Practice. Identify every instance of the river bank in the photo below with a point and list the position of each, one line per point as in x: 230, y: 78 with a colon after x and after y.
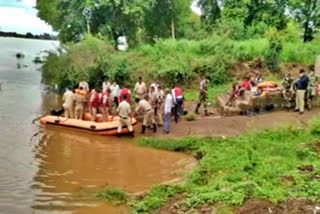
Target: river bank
x: 275, y: 169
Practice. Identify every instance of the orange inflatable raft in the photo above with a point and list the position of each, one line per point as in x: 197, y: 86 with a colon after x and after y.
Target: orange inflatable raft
x: 99, y: 128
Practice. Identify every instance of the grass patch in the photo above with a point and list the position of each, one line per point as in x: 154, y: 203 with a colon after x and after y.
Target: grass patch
x: 155, y: 199
x: 113, y: 195
x: 213, y: 92
x: 263, y: 165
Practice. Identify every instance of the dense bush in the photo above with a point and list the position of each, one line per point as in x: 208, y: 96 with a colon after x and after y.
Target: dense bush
x: 173, y: 61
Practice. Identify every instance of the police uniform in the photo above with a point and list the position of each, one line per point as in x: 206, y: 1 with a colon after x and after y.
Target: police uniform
x: 124, y: 111
x: 146, y: 108
x: 68, y: 99
x: 140, y: 89
x: 203, y: 96
x: 160, y: 106
x: 79, y: 106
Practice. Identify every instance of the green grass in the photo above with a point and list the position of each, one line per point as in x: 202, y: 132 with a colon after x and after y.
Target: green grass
x: 255, y: 165
x: 113, y: 195
x: 193, y: 94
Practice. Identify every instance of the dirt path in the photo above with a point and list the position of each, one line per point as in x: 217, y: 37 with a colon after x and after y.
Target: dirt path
x: 232, y: 126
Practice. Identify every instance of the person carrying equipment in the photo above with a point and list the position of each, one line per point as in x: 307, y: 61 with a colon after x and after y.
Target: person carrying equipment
x: 312, y: 89
x: 148, y: 114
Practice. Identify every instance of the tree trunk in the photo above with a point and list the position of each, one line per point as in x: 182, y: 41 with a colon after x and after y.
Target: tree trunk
x: 173, y: 33
x: 307, y: 37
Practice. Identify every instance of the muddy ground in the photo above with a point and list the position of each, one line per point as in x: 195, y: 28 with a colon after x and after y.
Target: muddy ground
x: 216, y: 125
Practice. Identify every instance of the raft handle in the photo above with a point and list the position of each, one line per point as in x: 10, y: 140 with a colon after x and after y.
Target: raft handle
x: 92, y: 127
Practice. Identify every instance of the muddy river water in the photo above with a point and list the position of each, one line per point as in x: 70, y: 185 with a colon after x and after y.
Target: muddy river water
x: 59, y: 171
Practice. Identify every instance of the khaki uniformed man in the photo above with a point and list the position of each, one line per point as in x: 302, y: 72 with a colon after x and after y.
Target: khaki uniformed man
x: 203, y: 96
x: 79, y: 105
x: 68, y: 101
x: 145, y: 107
x: 124, y: 112
x: 83, y: 84
x: 140, y: 89
x: 302, y: 86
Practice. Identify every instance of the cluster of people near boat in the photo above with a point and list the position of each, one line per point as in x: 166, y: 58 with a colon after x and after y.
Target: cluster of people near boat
x: 156, y: 104
x: 296, y: 93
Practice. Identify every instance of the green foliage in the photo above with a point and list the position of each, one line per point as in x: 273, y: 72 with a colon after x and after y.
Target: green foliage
x: 155, y: 198
x: 190, y: 117
x: 274, y: 52
x: 260, y: 165
x: 307, y: 13
x: 112, y: 195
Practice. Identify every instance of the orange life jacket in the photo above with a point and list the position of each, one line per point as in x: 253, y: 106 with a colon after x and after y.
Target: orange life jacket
x: 81, y: 92
x: 178, y: 92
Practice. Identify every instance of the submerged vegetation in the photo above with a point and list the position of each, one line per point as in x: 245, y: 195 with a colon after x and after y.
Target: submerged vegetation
x: 274, y: 164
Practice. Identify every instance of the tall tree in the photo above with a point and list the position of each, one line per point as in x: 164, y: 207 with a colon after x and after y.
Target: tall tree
x: 211, y: 10
x: 307, y: 12
x: 73, y: 18
x: 165, y: 17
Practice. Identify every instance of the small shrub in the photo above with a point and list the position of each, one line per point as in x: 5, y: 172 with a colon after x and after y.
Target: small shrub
x: 190, y: 117
x: 112, y: 195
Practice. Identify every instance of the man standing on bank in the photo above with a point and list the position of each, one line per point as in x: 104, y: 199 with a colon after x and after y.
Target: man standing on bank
x: 124, y: 112
x: 203, y: 96
x: 167, y: 110
x: 140, y: 89
x: 302, y: 86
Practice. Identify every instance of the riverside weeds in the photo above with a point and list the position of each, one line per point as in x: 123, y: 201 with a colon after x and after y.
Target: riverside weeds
x: 274, y: 164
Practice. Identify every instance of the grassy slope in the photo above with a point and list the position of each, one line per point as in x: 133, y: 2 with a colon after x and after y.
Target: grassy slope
x: 258, y: 165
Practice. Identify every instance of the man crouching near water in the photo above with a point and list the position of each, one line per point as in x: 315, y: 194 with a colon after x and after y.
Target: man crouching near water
x: 124, y: 112
x: 148, y: 114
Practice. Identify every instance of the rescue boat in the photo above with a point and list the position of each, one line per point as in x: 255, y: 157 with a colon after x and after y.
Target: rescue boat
x: 93, y: 127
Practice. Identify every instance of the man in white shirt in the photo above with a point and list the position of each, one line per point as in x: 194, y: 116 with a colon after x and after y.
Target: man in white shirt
x: 68, y: 101
x: 105, y: 85
x: 115, y: 92
x: 140, y: 89
x: 124, y: 112
x: 167, y: 110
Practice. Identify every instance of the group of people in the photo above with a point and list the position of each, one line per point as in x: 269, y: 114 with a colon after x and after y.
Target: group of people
x: 296, y: 93
x: 300, y: 92
x: 152, y: 103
